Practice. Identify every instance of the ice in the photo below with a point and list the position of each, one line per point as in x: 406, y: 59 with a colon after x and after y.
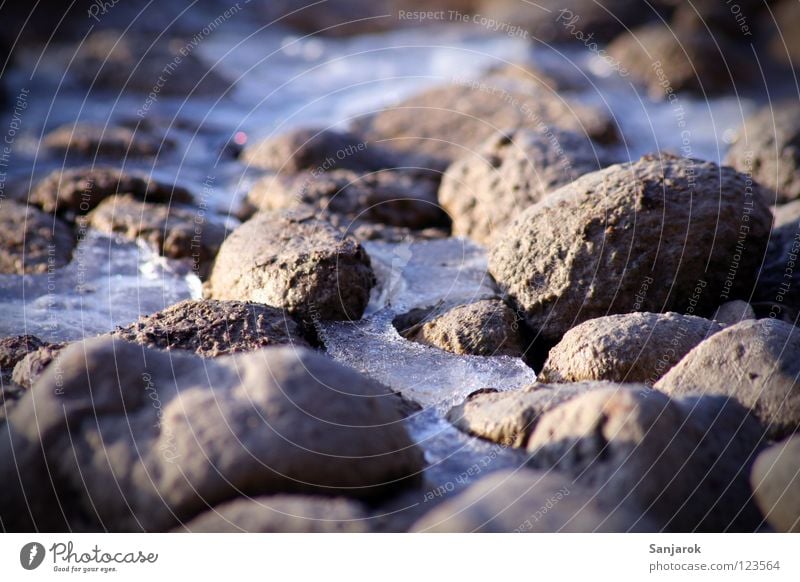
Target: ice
x: 109, y: 282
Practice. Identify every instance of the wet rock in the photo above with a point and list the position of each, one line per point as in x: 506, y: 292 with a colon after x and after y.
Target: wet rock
x: 541, y: 75
x: 776, y: 485
x: 524, y: 500
x: 294, y: 261
x: 317, y: 150
x: 508, y: 418
x: 140, y: 439
x: 768, y: 147
x: 403, y: 198
x: 371, y: 231
x: 175, y: 231
x: 754, y: 362
x: 282, y: 514
x: 13, y: 349
x: 667, y: 59
x: 483, y: 328
x: 633, y: 347
x: 214, y: 328
x: 484, y: 191
x: 79, y: 190
x: 732, y: 312
x: 93, y: 141
x: 33, y: 365
x: 32, y: 241
x: 614, y: 241
x: 146, y: 63
x: 684, y: 463
x: 446, y: 122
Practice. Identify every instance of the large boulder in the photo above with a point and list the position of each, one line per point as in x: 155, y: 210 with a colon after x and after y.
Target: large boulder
x: 768, y: 148
x: 755, y: 362
x: 776, y: 484
x: 122, y: 437
x: 484, y: 191
x: 683, y: 463
x: 660, y: 234
x: 213, y: 328
x: 527, y: 501
x: 631, y: 347
x: 294, y: 261
x: 32, y: 241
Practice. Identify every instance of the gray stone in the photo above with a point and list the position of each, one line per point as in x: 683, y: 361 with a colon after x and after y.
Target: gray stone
x: 632, y: 347
x: 755, y: 362
x: 732, y: 312
x: 776, y: 484
x: 294, y: 261
x: 618, y: 240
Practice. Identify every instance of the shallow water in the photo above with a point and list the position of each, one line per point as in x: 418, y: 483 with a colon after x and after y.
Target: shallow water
x: 284, y: 81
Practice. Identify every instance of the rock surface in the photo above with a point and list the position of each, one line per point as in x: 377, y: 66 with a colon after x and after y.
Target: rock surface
x: 768, y: 147
x: 294, y: 261
x: 776, y: 484
x: 524, y: 500
x: 33, y: 365
x: 617, y: 240
x: 447, y: 122
x: 483, y: 328
x: 32, y: 241
x: 213, y: 328
x: 732, y: 312
x: 683, y: 463
x: 632, y: 347
x: 90, y: 141
x: 484, y: 191
x: 508, y: 418
x: 754, y: 362
x: 156, y: 441
x: 282, y: 514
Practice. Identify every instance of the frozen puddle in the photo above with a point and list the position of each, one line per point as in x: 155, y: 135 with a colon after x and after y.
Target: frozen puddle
x: 423, y: 274
x: 110, y: 282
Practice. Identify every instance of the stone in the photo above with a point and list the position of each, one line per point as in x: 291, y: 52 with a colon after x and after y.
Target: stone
x: 777, y: 291
x: 317, y: 150
x: 527, y: 501
x: 617, y: 240
x: 784, y: 46
x: 484, y: 191
x: 732, y: 312
x: 547, y: 75
x: 776, y: 484
x: 683, y: 464
x: 174, y: 231
x: 79, y: 190
x: 631, y: 347
x: 294, y: 261
x: 487, y: 327
x: 32, y: 241
x: 33, y: 365
x: 213, y: 328
x: 282, y: 514
x: 768, y: 148
x: 508, y: 418
x: 446, y: 122
x: 754, y: 362
x: 135, y: 439
x: 13, y: 349
x: 95, y: 141
x: 402, y: 198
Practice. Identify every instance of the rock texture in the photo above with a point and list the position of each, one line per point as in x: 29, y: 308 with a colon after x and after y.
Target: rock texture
x: 152, y: 443
x: 297, y: 262
x: 447, y: 122
x: 682, y: 463
x: 483, y: 328
x: 91, y: 141
x: 754, y: 362
x: 732, y: 312
x: 768, y: 147
x: 213, y: 328
x: 508, y: 418
x: 776, y: 485
x: 79, y: 190
x: 523, y: 501
x: 484, y: 191
x: 33, y: 365
x: 32, y: 241
x: 633, y: 347
x: 618, y: 240
x: 282, y: 514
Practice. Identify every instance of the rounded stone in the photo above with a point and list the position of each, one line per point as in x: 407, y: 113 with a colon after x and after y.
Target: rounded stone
x: 776, y: 484
x: 92, y: 141
x: 32, y: 241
